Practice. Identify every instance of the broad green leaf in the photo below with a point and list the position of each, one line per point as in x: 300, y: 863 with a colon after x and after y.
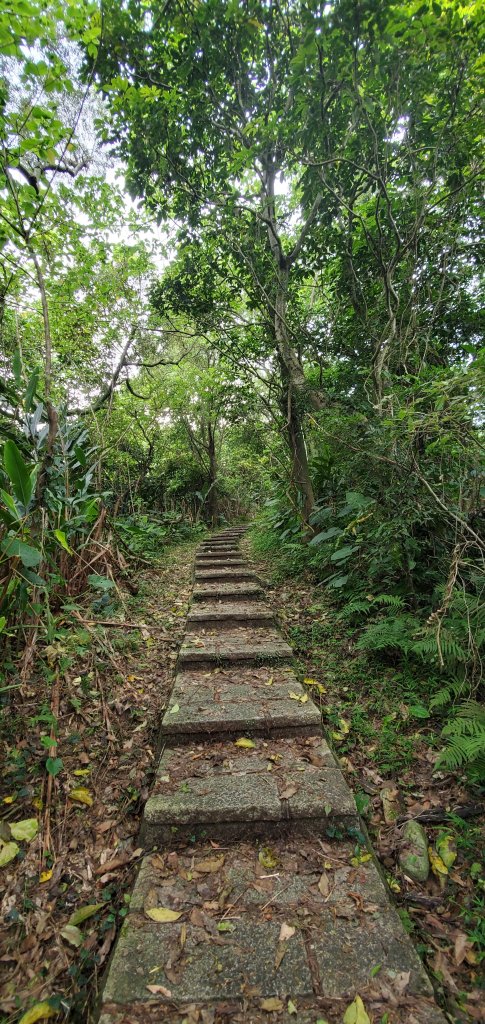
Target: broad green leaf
x: 15, y: 548
x: 54, y: 765
x: 8, y: 852
x: 83, y: 913
x: 18, y: 472
x: 62, y: 539
x: 26, y: 830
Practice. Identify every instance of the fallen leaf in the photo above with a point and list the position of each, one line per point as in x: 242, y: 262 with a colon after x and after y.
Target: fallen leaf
x: 163, y: 914
x: 244, y: 742
x: 288, y: 792
x: 437, y: 866
x: 226, y: 926
x: 8, y: 852
x: 324, y: 884
x: 267, y: 858
x: 82, y: 795
x: 72, y: 934
x: 445, y: 847
x: 210, y: 864
x: 8, y: 799
x: 286, y: 932
x: 269, y: 682
x: 356, y: 1013
x: 26, y: 829
x: 390, y: 805
x: 45, y: 875
x: 361, y: 858
x: 280, y: 953
x: 173, y: 710
x: 462, y: 942
x: 81, y: 771
x: 271, y: 1004
x: 160, y: 990
x: 82, y: 913
x: 291, y: 1007
x: 302, y: 698
x: 41, y: 1011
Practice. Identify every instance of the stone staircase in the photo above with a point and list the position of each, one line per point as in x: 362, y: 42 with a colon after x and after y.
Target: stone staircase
x: 257, y: 899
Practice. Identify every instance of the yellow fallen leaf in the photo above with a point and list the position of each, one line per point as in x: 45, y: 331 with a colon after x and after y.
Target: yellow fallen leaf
x: 291, y: 1007
x: 82, y: 795
x: 302, y: 698
x: 267, y: 858
x: 362, y: 858
x: 26, y: 829
x: 8, y: 799
x: 438, y: 866
x: 41, y: 1011
x: 269, y: 682
x: 37, y: 803
x: 81, y: 771
x: 271, y: 1004
x: 45, y: 875
x: 356, y: 1013
x: 445, y: 847
x: 245, y: 742
x: 163, y: 914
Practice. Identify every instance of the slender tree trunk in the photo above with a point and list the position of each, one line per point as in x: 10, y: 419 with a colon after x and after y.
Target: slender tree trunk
x: 212, y: 496
x: 300, y: 470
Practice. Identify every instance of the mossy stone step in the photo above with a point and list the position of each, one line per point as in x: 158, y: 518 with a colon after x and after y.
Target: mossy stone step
x: 228, y: 787
x: 221, y: 573
x: 227, y: 948
x: 224, y: 611
x: 230, y: 591
x: 257, y: 701
x: 243, y: 643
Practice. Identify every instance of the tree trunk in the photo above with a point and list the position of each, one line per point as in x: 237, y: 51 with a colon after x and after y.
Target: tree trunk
x: 212, y: 495
x: 300, y: 470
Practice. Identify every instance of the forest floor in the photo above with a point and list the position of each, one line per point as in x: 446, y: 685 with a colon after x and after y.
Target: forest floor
x: 387, y: 743
x: 63, y: 899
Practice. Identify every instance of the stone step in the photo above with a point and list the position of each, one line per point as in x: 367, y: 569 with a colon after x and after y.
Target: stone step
x: 215, y: 591
x: 294, y: 920
x: 234, y: 789
x: 230, y: 574
x: 250, y: 612
x: 220, y: 562
x: 254, y: 700
x: 237, y: 644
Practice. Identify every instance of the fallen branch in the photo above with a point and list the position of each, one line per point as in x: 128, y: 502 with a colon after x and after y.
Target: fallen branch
x: 441, y: 814
x: 123, y: 625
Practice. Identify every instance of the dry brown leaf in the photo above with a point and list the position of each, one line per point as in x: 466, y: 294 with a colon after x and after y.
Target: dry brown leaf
x: 324, y: 884
x: 210, y: 864
x: 286, y: 932
x: 270, y: 1005
x: 288, y: 792
x: 160, y: 990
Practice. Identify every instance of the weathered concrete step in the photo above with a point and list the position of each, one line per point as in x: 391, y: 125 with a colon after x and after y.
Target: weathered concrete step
x: 224, y: 611
x: 232, y: 788
x: 220, y: 562
x: 226, y: 591
x: 294, y: 920
x: 253, y: 700
x: 243, y: 643
x: 230, y: 574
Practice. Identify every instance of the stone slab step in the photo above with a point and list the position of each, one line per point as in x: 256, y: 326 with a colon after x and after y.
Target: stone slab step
x: 229, y: 574
x: 251, y: 700
x: 220, y: 562
x: 228, y: 788
x: 224, y: 611
x: 225, y: 949
x: 227, y: 591
x: 243, y: 643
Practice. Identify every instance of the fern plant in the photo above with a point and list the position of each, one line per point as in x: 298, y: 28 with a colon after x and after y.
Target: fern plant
x: 465, y: 741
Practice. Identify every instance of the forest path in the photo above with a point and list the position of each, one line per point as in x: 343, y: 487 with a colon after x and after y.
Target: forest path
x: 259, y: 900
